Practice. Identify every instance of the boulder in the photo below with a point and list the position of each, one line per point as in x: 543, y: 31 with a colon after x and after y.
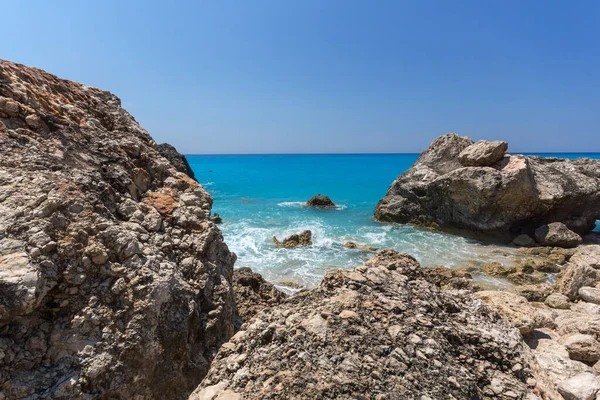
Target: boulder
x: 113, y: 283
x: 514, y: 196
x: 483, y: 153
x: 176, y: 159
x: 377, y: 331
x: 362, y: 247
x: 513, y: 307
x: 583, y: 270
x: 557, y: 234
x: 584, y: 386
x: 523, y: 240
x: 582, y: 348
x: 589, y: 294
x: 558, y: 300
x: 296, y: 240
x: 253, y: 293
x: 320, y: 201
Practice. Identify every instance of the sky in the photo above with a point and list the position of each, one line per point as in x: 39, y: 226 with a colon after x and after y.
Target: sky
x: 328, y: 76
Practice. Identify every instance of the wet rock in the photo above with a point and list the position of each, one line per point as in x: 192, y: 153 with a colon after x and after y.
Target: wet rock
x: 216, y: 218
x: 362, y: 247
x: 536, y: 292
x: 513, y: 196
x: 296, y: 240
x: 113, y: 283
x: 379, y: 331
x: 558, y: 300
x: 584, y: 386
x: 176, y: 159
x: 483, y: 153
x: 582, y: 348
x: 497, y: 269
x: 253, y: 293
x: 557, y: 234
x: 589, y: 294
x: 524, y: 240
x: 320, y: 201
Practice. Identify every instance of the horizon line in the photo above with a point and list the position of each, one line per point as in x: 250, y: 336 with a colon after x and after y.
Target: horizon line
x: 358, y: 154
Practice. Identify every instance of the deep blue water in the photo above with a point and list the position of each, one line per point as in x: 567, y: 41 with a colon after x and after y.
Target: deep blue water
x: 260, y: 196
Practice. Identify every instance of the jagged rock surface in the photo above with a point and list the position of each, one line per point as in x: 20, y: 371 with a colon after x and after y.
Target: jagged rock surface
x: 516, y: 195
x: 113, y: 283
x: 177, y: 159
x: 301, y: 239
x: 379, y: 331
x: 253, y: 293
x: 320, y: 201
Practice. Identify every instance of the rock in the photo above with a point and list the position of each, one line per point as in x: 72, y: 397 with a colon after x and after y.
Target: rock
x: 536, y: 292
x: 497, y: 269
x: 590, y: 294
x: 483, y: 153
x: 353, y: 245
x: 513, y: 307
x: 175, y: 158
x: 557, y: 234
x: 524, y: 240
x: 113, y: 283
x: 558, y: 300
x: 295, y: 240
x: 514, y: 196
x: 583, y: 270
x: 379, y: 331
x: 320, y: 201
x: 216, y: 218
x: 583, y: 348
x: 253, y: 293
x: 580, y: 387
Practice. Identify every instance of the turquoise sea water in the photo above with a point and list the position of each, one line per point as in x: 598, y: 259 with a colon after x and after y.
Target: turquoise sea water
x: 261, y: 196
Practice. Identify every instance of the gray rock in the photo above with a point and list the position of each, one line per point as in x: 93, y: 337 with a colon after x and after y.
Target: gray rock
x: 558, y: 300
x: 557, y: 234
x: 514, y: 196
x: 583, y: 270
x: 176, y: 159
x: 296, y: 240
x: 253, y: 293
x: 590, y: 294
x: 483, y: 153
x: 524, y: 241
x: 96, y: 300
x: 580, y: 387
x: 582, y: 348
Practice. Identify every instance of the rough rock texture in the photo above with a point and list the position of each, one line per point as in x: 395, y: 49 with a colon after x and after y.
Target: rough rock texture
x: 514, y: 196
x: 177, y: 159
x: 320, y: 201
x: 557, y: 234
x: 583, y: 270
x: 379, y: 331
x: 296, y: 240
x: 361, y: 247
x: 584, y: 386
x: 482, y: 153
x: 589, y: 294
x: 524, y: 240
x: 113, y: 283
x: 253, y: 293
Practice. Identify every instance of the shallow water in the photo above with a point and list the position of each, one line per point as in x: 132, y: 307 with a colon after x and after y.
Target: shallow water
x: 261, y: 196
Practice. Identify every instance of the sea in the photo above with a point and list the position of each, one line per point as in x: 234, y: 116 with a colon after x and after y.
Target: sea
x: 262, y: 196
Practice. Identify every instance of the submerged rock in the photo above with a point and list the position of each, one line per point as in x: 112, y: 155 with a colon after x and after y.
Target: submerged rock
x: 379, y: 331
x: 177, y: 159
x: 253, y: 293
x: 483, y: 153
x: 320, y: 201
x: 557, y: 234
x: 113, y: 284
x: 513, y: 196
x: 296, y: 240
x: 362, y: 247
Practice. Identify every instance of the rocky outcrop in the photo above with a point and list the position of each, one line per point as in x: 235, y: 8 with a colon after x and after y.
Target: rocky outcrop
x: 320, y: 201
x: 176, y: 159
x: 379, y: 331
x: 514, y: 196
x: 113, y: 283
x: 483, y: 153
x: 296, y: 240
x: 253, y: 293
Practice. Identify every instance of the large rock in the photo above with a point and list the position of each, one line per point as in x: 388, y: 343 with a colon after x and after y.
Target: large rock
x: 379, y: 331
x: 253, y: 293
x: 514, y: 308
x: 483, y: 153
x: 320, y: 201
x: 584, y: 386
x: 514, y: 196
x: 557, y: 234
x: 113, y: 283
x: 177, y: 159
x: 582, y: 347
x: 589, y: 294
x: 583, y: 270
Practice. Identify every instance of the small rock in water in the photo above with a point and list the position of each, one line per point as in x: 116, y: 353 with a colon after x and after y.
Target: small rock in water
x: 583, y: 386
x: 590, y: 294
x: 295, y: 240
x: 320, y: 201
x: 216, y: 218
x: 353, y: 245
x: 557, y: 234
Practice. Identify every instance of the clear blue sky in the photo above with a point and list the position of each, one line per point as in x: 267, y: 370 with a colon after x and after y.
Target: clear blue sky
x: 328, y: 76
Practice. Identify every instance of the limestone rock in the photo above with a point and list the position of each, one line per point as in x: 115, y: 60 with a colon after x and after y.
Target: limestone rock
x: 582, y: 347
x: 175, y: 158
x: 296, y: 240
x: 535, y: 292
x: 583, y: 270
x: 524, y: 240
x: 113, y: 283
x: 557, y: 234
x: 483, y: 153
x: 512, y: 197
x: 513, y: 307
x: 253, y: 293
x: 362, y: 247
x: 584, y: 386
x: 589, y: 294
x: 216, y: 218
x: 558, y: 300
x: 378, y: 331
x: 320, y: 201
